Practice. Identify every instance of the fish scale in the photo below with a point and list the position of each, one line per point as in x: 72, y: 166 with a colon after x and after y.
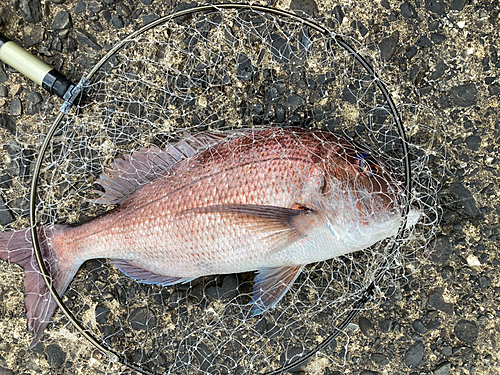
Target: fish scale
x: 265, y: 200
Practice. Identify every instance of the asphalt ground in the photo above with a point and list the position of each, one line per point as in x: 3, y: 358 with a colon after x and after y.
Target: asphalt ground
x: 447, y: 319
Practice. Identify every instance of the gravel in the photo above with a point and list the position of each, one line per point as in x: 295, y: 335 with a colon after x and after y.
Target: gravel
x: 366, y: 327
x: 414, y: 355
x: 31, y: 10
x: 62, y: 21
x: 466, y: 331
x: 388, y: 45
x: 55, y: 356
x: 407, y: 10
x: 464, y: 95
x: 438, y: 49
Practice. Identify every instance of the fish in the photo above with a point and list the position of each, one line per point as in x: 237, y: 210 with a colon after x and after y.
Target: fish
x: 265, y: 200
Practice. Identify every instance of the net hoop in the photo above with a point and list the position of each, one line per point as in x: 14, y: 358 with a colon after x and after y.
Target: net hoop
x: 116, y: 358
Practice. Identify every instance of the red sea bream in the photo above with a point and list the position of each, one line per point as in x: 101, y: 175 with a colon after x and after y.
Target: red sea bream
x: 269, y: 200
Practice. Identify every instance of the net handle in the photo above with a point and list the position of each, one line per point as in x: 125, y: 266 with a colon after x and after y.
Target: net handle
x: 33, y: 68
x: 112, y: 356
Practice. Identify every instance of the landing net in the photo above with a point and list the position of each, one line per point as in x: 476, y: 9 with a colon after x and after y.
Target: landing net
x: 216, y: 71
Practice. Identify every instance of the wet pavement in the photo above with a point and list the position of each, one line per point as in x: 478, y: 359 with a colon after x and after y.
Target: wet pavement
x: 446, y: 318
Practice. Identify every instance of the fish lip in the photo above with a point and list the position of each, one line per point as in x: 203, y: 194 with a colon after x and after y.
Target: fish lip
x: 413, y: 214
x: 398, y: 205
x: 401, y: 200
x: 413, y: 217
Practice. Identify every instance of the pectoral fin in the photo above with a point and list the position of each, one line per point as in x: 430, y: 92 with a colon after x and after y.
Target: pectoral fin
x: 281, y: 226
x: 271, y: 284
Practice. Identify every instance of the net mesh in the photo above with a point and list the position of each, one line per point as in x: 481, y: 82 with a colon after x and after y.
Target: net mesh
x: 220, y: 71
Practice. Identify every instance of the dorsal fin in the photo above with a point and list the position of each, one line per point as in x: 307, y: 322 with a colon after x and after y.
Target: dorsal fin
x: 127, y: 174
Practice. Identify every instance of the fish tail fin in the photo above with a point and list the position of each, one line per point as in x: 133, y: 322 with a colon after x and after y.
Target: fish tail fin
x: 16, y: 247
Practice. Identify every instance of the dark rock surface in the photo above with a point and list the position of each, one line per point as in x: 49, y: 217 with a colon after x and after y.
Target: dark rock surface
x: 33, y: 35
x: 388, y: 45
x: 466, y: 331
x: 142, y: 319
x: 366, y: 327
x: 464, y: 95
x: 307, y: 6
x: 62, y: 20
x: 6, y: 371
x: 435, y: 6
x: 473, y: 142
x: 437, y: 301
x: 8, y: 123
x: 414, y: 355
x: 380, y: 359
x: 31, y: 10
x: 295, y: 102
x: 55, y: 356
x: 88, y: 39
x: 443, y: 368
x: 419, y: 327
x: 6, y: 216
x: 442, y: 250
x: 15, y: 107
x: 386, y: 325
x: 407, y: 10
x: 465, y: 197
x: 34, y: 102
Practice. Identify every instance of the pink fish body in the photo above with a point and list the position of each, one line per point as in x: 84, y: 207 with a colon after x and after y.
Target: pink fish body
x: 270, y: 200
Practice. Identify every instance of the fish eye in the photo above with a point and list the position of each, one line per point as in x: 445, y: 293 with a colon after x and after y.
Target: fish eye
x: 368, y: 165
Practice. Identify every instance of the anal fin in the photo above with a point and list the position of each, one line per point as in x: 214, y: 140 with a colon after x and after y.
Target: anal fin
x: 271, y: 284
x: 147, y: 277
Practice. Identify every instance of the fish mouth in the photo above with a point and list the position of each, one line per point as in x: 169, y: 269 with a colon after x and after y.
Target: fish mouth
x: 413, y: 217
